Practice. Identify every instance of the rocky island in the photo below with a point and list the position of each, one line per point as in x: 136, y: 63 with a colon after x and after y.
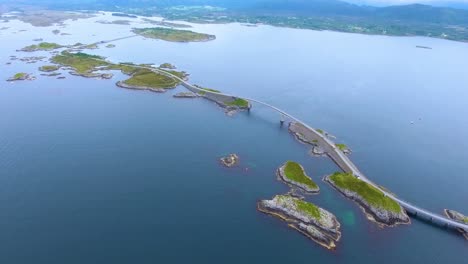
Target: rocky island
x: 141, y: 77
x: 44, y: 46
x: 376, y: 205
x: 230, y: 160
x: 293, y: 174
x: 312, y: 221
x: 49, y: 68
x: 173, y: 35
x: 21, y: 76
x: 454, y: 215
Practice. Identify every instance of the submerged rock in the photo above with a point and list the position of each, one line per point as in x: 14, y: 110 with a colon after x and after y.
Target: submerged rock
x: 312, y: 221
x: 230, y: 161
x: 454, y: 215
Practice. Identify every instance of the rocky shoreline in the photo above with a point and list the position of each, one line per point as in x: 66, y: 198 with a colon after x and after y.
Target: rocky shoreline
x: 323, y: 228
x: 121, y: 84
x: 185, y: 95
x: 380, y: 216
x: 454, y: 215
x: 317, y: 150
x: 280, y: 173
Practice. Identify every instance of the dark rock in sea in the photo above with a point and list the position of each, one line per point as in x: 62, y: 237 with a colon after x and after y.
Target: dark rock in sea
x: 230, y: 161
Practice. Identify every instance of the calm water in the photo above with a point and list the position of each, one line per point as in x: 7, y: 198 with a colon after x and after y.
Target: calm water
x: 91, y: 173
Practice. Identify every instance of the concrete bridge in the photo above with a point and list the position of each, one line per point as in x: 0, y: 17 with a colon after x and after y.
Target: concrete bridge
x: 329, y: 147
x: 335, y: 154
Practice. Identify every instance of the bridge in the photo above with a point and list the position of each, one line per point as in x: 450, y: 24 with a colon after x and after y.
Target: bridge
x: 336, y: 155
x: 330, y: 148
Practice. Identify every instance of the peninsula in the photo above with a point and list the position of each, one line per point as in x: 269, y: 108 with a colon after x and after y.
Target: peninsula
x: 312, y: 221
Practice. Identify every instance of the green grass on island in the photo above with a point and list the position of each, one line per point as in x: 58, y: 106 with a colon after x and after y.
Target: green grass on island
x: 19, y: 76
x: 173, y: 35
x: 81, y: 62
x: 86, y: 64
x: 319, y: 130
x: 294, y: 172
x: 341, y: 146
x: 42, y: 46
x: 48, y: 68
x: 239, y: 103
x: 301, y: 206
x: 308, y: 208
x: 148, y: 78
x: 370, y: 194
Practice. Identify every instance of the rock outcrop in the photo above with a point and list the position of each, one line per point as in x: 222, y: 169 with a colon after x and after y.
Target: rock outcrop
x: 314, y: 222
x: 454, y: 215
x: 230, y: 161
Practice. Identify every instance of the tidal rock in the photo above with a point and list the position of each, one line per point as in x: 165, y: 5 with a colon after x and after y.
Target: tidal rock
x: 230, y: 161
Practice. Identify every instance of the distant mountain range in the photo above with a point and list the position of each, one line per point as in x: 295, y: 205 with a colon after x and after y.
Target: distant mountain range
x: 413, y: 19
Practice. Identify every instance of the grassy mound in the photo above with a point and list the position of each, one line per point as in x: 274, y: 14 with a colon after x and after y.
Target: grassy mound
x: 294, y: 172
x: 370, y: 194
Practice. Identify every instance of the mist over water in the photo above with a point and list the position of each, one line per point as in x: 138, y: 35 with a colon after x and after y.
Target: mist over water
x: 92, y: 173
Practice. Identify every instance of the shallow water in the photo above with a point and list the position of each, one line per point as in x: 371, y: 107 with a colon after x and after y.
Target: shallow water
x: 91, y: 173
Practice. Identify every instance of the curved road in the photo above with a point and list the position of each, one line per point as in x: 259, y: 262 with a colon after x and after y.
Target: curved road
x: 333, y: 152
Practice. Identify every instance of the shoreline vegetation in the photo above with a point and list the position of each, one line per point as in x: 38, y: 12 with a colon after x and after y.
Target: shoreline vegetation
x: 377, y: 207
x: 173, y: 35
x: 310, y: 220
x: 91, y: 66
x: 293, y: 174
x: 457, y: 216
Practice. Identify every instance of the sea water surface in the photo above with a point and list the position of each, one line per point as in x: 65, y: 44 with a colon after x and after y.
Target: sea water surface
x: 92, y: 173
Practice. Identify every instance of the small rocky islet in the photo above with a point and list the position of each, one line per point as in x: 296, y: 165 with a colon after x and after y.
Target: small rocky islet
x: 457, y: 216
x: 21, y: 76
x: 293, y: 174
x: 312, y: 221
x: 230, y: 160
